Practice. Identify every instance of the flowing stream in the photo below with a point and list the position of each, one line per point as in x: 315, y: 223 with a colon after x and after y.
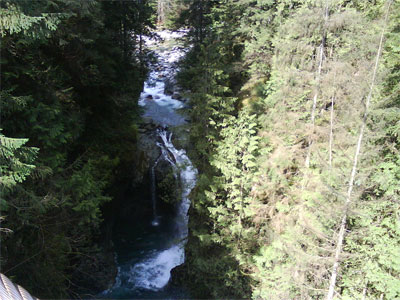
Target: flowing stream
x: 157, y: 246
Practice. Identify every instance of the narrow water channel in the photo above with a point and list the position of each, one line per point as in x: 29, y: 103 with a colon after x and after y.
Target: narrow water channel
x: 154, y: 245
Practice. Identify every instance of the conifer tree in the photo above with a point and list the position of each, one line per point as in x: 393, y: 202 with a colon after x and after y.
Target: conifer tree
x: 349, y: 195
x: 16, y: 163
x: 306, y: 65
x: 65, y: 72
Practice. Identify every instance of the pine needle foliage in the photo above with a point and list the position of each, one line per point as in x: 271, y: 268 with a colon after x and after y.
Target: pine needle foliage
x: 71, y: 74
x: 306, y: 69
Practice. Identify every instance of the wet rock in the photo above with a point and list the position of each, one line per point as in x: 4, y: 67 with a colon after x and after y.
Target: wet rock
x: 178, y: 89
x: 148, y: 152
x: 149, y: 97
x: 163, y: 168
x: 95, y: 273
x: 150, y: 126
x: 179, y: 276
x: 176, y: 96
x: 169, y: 86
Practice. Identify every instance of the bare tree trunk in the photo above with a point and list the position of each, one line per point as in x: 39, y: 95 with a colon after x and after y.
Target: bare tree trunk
x: 331, y: 125
x: 342, y: 230
x: 331, y: 132
x: 201, y: 21
x: 160, y: 12
x: 318, y: 77
x: 125, y: 39
x: 364, y: 295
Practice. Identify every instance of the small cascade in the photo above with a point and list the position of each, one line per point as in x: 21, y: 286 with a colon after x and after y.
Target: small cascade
x: 165, y: 153
x: 154, y: 271
x: 145, y: 262
x: 187, y: 174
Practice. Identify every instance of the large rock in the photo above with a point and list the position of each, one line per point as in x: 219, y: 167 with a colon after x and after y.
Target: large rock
x: 96, y: 273
x: 176, y: 96
x: 169, y: 86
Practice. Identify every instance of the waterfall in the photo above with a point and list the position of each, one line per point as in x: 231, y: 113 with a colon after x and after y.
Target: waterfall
x: 154, y: 272
x: 188, y: 175
x: 144, y: 267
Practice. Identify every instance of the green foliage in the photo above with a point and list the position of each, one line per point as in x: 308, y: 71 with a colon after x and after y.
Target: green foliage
x: 71, y: 71
x: 374, y: 243
x: 170, y: 13
x: 14, y: 21
x: 168, y: 188
x: 304, y: 69
x: 271, y: 84
x: 375, y: 238
x: 224, y: 149
x: 16, y: 163
x: 229, y: 199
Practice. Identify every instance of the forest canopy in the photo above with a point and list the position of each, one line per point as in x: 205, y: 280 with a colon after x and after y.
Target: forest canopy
x: 71, y: 74
x: 294, y: 109
x: 295, y: 118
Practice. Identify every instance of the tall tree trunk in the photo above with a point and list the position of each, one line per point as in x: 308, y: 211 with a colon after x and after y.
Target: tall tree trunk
x: 331, y: 131
x: 201, y: 21
x: 339, y: 244
x: 318, y: 78
x: 160, y: 12
x: 333, y: 99
x: 125, y: 37
x: 364, y: 294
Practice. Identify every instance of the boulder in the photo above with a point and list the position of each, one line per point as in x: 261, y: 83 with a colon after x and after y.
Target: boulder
x: 176, y: 96
x: 169, y: 86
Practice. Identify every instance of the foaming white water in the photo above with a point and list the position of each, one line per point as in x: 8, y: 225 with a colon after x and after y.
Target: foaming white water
x: 153, y: 271
x: 188, y: 176
x: 161, y: 108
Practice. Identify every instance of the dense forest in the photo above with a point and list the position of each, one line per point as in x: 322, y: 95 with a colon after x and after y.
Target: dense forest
x: 71, y: 73
x: 295, y: 121
x: 294, y: 109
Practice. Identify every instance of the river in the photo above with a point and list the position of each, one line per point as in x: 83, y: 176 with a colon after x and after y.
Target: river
x: 154, y: 244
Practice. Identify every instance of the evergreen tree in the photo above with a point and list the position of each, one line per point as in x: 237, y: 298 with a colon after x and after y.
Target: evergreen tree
x: 306, y: 72
x: 65, y: 72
